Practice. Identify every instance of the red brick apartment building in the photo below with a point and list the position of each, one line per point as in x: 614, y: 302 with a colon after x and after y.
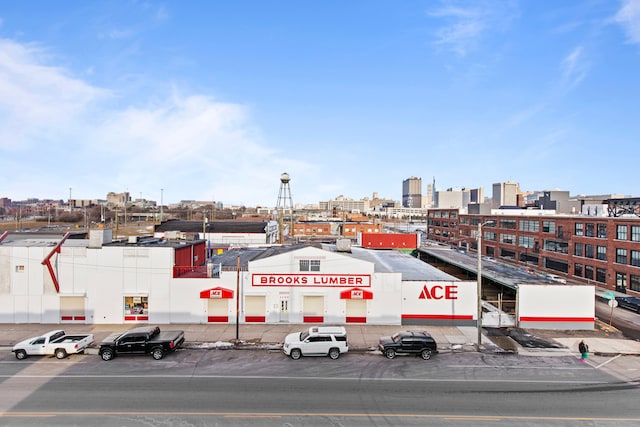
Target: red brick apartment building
x: 604, y: 251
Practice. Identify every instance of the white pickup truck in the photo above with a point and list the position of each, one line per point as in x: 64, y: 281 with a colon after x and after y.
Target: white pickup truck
x: 56, y: 343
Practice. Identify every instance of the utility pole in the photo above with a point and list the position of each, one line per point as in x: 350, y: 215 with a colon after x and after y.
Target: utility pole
x: 238, y: 300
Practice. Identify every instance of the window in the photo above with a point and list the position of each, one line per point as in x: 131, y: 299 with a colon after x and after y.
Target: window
x: 635, y: 258
x: 509, y: 224
x: 588, y: 251
x: 621, y: 232
x: 548, y: 226
x: 136, y: 305
x: 634, y: 283
x: 577, y: 270
x: 554, y: 246
x: 506, y: 253
x: 529, y: 225
x: 621, y: 281
x: 602, y: 253
x: 621, y: 256
x: 578, y: 249
x: 579, y: 229
x: 490, y: 235
x: 509, y: 239
x: 525, y: 241
x: 588, y: 272
x: 602, y: 231
x: 601, y: 275
x: 590, y: 230
x: 19, y: 268
x: 635, y: 233
x: 309, y: 265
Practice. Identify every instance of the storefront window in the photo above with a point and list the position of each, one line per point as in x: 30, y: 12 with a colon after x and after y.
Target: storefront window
x: 136, y: 306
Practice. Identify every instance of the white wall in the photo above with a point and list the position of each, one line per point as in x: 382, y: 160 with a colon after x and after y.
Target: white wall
x: 556, y: 307
x: 444, y: 302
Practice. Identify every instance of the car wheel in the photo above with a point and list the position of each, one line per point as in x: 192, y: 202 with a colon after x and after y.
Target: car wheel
x: 21, y: 354
x: 107, y: 354
x: 295, y: 354
x: 61, y: 353
x: 426, y: 354
x: 334, y: 353
x: 390, y: 353
x: 157, y: 353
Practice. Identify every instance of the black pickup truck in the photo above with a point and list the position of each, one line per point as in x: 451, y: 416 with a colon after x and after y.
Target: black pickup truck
x: 141, y: 340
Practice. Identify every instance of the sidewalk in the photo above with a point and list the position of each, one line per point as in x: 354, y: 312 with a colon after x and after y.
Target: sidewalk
x: 361, y: 337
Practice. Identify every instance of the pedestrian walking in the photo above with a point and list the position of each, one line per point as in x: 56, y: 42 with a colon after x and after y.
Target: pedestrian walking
x: 583, y: 348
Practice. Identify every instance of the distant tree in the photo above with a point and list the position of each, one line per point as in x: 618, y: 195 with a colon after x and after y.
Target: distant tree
x: 71, y: 216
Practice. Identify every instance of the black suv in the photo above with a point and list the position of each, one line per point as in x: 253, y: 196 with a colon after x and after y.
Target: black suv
x: 413, y: 342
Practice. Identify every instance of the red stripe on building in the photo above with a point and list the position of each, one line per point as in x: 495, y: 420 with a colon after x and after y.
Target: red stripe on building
x: 356, y: 319
x: 66, y: 318
x: 439, y: 316
x: 556, y: 319
x: 255, y: 319
x: 218, y: 319
x: 313, y: 319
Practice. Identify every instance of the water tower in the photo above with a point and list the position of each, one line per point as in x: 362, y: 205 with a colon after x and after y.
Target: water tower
x: 284, y: 203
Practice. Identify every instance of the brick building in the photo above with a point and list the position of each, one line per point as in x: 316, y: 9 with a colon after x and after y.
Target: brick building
x: 599, y: 250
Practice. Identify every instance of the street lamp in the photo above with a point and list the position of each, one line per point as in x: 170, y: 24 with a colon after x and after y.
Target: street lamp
x: 479, y: 322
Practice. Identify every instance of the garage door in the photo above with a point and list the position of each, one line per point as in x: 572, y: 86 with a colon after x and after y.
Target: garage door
x: 254, y: 309
x: 356, y: 311
x: 72, y: 309
x: 217, y: 310
x: 313, y: 309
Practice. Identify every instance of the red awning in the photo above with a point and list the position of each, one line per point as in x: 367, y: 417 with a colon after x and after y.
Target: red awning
x: 356, y: 293
x: 216, y: 293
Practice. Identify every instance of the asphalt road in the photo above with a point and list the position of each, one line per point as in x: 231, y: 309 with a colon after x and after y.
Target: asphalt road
x: 263, y: 388
x: 626, y: 321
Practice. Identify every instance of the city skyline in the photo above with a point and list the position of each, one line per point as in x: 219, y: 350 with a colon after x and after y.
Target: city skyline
x: 215, y: 100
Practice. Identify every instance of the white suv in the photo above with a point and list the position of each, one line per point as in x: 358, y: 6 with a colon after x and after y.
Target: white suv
x: 317, y: 341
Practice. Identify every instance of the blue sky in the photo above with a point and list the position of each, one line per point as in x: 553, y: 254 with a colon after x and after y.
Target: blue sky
x: 213, y: 100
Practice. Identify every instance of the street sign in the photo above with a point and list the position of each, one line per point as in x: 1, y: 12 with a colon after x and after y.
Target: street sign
x: 612, y: 303
x: 609, y: 296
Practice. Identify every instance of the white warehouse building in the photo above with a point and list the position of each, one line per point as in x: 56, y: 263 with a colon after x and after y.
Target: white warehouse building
x: 55, y: 278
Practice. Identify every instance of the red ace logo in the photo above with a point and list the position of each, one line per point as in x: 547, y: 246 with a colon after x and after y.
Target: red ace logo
x: 439, y: 292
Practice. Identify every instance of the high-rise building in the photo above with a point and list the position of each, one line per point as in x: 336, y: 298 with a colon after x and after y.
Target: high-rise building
x: 476, y: 195
x: 505, y: 194
x: 412, y: 192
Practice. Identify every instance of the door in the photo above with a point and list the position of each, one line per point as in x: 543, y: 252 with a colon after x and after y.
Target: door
x: 284, y: 307
x: 217, y: 310
x: 72, y: 309
x: 132, y: 344
x: 254, y: 309
x: 36, y: 347
x: 313, y: 309
x: 316, y: 345
x: 356, y: 311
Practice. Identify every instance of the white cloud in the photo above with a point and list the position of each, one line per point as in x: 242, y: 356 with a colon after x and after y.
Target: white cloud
x: 629, y: 18
x: 36, y: 99
x: 58, y: 131
x: 574, y: 67
x: 466, y: 24
x: 116, y: 34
